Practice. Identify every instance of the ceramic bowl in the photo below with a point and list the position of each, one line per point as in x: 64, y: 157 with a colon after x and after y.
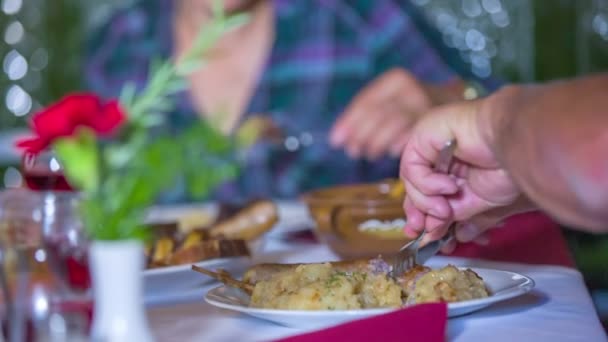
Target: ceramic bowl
x: 361, y: 220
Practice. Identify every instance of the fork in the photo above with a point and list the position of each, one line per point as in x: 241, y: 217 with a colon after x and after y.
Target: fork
x: 407, y: 255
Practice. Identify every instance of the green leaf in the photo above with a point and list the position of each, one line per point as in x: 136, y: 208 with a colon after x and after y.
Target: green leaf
x: 152, y: 120
x: 176, y: 86
x: 127, y: 94
x: 155, y: 64
x: 117, y: 155
x: 80, y: 159
x: 236, y: 21
x: 189, y: 67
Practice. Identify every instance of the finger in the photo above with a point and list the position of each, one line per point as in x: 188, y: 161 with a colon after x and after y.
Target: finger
x: 429, y: 237
x: 343, y: 126
x: 361, y: 133
x: 357, y: 112
x: 393, y: 82
x: 449, y: 247
x: 431, y: 183
x: 459, y: 169
x: 483, y: 239
x: 440, y: 126
x: 436, y: 206
x: 466, y: 204
x: 436, y: 228
x: 467, y: 232
x: 424, y: 178
x: 433, y: 223
x: 414, y: 219
x: 476, y: 228
x: 392, y: 130
x: 398, y: 146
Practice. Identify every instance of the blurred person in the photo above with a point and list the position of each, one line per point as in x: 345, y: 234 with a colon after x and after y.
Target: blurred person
x: 346, y: 78
x: 524, y: 148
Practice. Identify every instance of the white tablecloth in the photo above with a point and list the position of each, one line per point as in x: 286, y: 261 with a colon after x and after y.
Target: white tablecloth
x: 558, y: 309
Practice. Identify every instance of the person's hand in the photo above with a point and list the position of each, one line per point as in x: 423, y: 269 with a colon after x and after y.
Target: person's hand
x: 378, y: 120
x: 476, y: 183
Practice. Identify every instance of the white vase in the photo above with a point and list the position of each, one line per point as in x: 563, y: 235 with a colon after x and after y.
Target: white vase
x: 119, y: 316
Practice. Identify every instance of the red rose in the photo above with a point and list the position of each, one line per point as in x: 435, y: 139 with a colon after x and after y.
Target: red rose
x: 62, y: 118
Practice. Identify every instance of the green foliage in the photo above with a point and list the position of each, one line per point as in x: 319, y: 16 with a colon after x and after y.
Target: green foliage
x: 80, y: 152
x: 127, y: 174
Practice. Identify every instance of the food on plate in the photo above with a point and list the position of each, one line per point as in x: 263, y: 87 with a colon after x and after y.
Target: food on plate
x: 226, y: 278
x: 228, y: 236
x: 193, y: 220
x: 357, y: 284
x: 248, y: 223
x: 448, y: 284
x: 210, y: 249
x: 320, y: 287
x: 168, y: 251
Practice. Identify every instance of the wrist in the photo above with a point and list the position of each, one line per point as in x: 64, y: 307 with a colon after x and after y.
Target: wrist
x: 495, y: 116
x: 455, y: 91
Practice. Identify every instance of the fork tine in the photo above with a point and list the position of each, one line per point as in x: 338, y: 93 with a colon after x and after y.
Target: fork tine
x: 406, y: 257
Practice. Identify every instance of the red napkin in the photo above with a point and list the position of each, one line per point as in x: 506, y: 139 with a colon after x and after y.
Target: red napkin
x: 531, y: 238
x: 425, y: 323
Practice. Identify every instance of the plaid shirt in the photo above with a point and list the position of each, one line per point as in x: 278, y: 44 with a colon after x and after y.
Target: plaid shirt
x: 325, y: 52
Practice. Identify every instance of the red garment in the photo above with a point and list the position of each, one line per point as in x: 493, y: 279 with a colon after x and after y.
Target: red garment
x: 530, y: 238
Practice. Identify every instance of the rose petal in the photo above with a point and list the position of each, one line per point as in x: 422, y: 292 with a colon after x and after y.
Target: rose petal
x: 108, y: 119
x: 61, y: 118
x: 65, y: 116
x: 82, y: 108
x: 51, y: 124
x: 32, y: 145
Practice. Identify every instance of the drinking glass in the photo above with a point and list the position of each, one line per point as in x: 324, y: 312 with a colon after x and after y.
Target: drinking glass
x: 65, y: 239
x: 43, y: 172
x: 33, y: 296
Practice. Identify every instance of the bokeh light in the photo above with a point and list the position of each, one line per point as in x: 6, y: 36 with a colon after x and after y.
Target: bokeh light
x: 14, y: 33
x: 11, y: 6
x: 483, y: 29
x: 14, y: 65
x: 18, y: 101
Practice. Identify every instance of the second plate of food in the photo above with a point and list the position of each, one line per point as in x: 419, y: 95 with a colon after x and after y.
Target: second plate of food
x: 501, y: 285
x: 204, y: 237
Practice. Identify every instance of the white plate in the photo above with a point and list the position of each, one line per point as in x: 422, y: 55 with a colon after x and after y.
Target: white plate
x: 162, y: 285
x: 502, y: 284
x: 164, y: 280
x: 172, y: 213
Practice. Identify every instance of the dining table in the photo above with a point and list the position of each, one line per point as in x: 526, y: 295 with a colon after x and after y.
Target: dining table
x: 558, y: 308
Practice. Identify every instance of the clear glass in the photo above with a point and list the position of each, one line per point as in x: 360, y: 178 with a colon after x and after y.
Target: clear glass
x: 33, y: 292
x: 65, y: 240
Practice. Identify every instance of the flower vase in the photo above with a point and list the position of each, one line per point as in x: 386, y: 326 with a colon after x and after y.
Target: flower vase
x: 119, y: 314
